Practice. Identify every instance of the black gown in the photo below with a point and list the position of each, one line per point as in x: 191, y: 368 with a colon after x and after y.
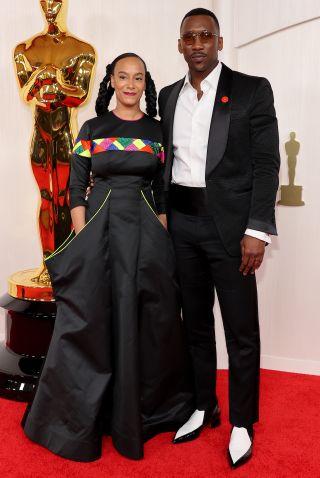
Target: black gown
x: 117, y: 362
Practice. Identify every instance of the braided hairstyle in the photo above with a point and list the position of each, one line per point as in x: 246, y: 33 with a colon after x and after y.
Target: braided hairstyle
x: 151, y: 96
x: 106, y: 90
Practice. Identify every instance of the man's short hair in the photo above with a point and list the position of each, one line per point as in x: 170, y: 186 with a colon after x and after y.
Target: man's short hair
x: 201, y: 11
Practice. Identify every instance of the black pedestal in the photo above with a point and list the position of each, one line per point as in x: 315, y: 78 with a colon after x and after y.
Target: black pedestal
x: 29, y: 326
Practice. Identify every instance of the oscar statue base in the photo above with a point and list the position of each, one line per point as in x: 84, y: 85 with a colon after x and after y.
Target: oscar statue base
x: 29, y: 319
x: 23, y: 285
x: 291, y: 196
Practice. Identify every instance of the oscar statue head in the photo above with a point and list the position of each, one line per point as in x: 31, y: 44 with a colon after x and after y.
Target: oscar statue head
x: 54, y: 12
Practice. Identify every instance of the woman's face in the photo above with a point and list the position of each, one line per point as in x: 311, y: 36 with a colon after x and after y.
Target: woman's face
x: 129, y: 81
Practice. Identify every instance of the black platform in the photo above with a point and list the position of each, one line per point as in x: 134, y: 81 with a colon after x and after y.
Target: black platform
x: 29, y: 326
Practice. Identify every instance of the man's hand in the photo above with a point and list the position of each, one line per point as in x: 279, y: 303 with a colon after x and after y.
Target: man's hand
x: 90, y: 187
x: 252, y: 251
x: 163, y: 219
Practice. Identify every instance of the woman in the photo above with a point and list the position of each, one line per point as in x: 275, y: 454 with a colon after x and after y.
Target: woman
x: 116, y: 362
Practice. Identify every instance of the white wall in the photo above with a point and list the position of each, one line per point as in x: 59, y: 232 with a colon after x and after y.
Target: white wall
x: 275, y: 38
x: 279, y: 40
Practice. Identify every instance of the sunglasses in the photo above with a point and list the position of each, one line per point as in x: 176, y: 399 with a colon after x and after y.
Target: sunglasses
x: 204, y: 37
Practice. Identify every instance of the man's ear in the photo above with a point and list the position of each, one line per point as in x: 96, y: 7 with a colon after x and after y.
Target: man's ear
x: 220, y: 43
x: 179, y: 46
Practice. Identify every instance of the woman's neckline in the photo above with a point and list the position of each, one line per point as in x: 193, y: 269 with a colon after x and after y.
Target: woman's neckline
x: 130, y: 121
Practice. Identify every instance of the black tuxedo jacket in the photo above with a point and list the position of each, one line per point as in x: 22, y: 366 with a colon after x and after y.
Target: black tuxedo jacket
x: 243, y: 159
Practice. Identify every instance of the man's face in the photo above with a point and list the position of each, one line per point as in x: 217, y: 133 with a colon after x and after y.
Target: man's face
x: 202, y: 53
x: 51, y: 9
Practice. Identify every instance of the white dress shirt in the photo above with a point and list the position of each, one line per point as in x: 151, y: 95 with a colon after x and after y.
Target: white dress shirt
x: 191, y: 127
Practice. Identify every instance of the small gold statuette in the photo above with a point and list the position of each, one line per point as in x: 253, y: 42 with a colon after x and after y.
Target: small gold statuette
x: 54, y: 71
x: 291, y: 194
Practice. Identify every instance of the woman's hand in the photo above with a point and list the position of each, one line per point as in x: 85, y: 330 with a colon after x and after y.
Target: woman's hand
x: 78, y: 218
x: 163, y: 219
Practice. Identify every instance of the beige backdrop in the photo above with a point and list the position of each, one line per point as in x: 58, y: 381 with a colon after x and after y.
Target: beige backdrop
x: 278, y: 41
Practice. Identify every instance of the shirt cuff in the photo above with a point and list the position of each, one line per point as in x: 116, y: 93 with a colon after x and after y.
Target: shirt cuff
x: 263, y: 236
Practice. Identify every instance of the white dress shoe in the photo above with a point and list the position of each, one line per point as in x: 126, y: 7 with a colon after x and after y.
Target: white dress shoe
x: 240, y: 446
x: 192, y: 428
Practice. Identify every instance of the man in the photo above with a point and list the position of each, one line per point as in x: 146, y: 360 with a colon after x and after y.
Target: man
x: 222, y: 148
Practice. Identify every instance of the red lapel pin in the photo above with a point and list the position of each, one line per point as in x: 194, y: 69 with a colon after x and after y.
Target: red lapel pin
x: 225, y: 99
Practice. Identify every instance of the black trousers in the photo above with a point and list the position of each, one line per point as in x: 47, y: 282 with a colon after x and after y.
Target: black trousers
x: 203, y: 267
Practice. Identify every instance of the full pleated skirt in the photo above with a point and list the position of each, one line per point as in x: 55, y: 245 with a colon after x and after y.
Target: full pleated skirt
x: 117, y: 362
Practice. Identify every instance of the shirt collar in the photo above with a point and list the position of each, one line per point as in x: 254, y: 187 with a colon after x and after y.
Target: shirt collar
x: 210, y: 81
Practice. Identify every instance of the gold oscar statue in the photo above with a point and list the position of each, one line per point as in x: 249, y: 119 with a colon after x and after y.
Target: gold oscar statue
x: 291, y: 194
x: 54, y: 71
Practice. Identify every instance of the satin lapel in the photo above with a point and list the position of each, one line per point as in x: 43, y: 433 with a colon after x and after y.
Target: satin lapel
x: 219, y: 128
x: 168, y: 117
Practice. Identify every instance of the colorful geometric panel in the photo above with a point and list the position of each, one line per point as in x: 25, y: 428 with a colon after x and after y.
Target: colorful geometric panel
x: 100, y: 145
x: 83, y: 148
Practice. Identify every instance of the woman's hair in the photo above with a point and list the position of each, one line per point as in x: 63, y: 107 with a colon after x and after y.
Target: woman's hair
x: 106, y: 91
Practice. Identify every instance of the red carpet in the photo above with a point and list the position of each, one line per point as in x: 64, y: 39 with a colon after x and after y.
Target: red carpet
x: 286, y: 444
